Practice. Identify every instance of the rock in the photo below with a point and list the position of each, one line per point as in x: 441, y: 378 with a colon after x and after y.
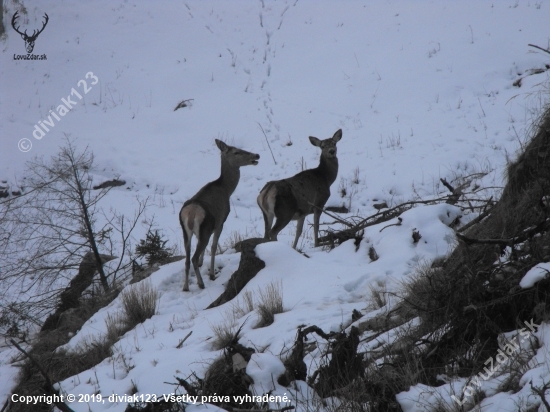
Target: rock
x: 110, y: 183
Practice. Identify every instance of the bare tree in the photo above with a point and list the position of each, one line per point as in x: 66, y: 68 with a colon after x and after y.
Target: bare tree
x: 47, y: 230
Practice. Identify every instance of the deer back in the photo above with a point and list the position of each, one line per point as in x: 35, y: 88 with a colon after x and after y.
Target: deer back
x: 214, y: 199
x: 309, y: 188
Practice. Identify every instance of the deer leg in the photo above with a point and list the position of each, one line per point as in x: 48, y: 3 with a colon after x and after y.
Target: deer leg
x: 299, y: 227
x: 268, y: 220
x: 316, y: 216
x: 283, y: 219
x: 215, y: 239
x: 201, y: 259
x: 204, y: 237
x: 187, y: 245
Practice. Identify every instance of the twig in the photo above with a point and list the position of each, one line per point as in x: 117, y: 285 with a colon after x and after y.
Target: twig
x: 331, y: 215
x: 483, y: 111
x: 183, y: 340
x: 393, y: 224
x: 184, y: 103
x: 60, y: 405
x: 540, y: 48
x: 447, y: 185
x: 540, y: 392
x: 268, y: 145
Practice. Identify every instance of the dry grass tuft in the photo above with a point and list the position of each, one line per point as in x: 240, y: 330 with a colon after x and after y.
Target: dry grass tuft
x: 270, y: 303
x: 378, y: 298
x: 243, y: 307
x: 139, y: 302
x: 225, y: 333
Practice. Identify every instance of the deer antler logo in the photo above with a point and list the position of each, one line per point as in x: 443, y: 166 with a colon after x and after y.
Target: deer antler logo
x: 29, y: 40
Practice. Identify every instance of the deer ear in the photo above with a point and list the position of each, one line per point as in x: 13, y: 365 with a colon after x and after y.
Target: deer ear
x: 337, y: 136
x: 314, y: 141
x: 221, y: 145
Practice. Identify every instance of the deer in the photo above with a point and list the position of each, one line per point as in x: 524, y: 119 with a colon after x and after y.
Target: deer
x: 206, y: 212
x: 300, y: 195
x: 29, y: 40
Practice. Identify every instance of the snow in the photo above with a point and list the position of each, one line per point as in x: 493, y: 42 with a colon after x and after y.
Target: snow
x: 422, y: 91
x: 536, y: 273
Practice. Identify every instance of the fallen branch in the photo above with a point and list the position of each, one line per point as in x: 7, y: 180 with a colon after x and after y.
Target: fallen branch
x: 341, y: 236
x: 333, y: 238
x: 541, y: 227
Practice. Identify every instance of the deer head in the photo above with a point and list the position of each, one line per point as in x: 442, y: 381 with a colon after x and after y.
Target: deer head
x: 29, y: 40
x: 328, y: 146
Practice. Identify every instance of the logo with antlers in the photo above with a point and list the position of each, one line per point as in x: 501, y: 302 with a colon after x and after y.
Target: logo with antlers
x: 29, y: 40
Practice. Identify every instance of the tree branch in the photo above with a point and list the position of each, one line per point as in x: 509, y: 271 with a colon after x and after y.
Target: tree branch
x: 541, y: 393
x: 61, y: 405
x: 541, y: 227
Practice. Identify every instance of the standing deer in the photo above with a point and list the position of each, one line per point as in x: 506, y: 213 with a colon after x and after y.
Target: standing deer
x: 300, y: 195
x: 206, y: 212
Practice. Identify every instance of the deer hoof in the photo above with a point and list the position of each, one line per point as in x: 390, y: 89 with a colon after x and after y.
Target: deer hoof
x: 186, y: 288
x: 201, y: 285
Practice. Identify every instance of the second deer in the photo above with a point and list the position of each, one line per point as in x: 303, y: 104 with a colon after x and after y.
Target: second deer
x: 300, y: 195
x: 206, y: 212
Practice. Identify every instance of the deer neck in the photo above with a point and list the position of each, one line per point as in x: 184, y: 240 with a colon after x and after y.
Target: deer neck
x: 329, y: 169
x: 229, y: 177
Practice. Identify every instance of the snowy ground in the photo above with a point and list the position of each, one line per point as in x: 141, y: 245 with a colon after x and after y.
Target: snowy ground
x: 422, y: 91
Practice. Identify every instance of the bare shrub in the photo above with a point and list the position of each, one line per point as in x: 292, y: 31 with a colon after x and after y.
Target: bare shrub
x: 270, y: 303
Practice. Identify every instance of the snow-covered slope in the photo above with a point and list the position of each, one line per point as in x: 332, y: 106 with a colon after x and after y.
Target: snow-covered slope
x: 422, y: 91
